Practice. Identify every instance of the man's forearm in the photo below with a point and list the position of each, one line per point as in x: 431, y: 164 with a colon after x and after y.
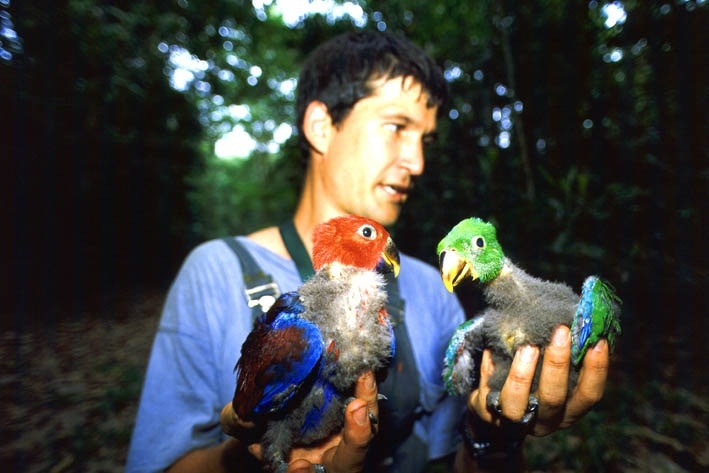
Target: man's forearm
x: 465, y: 462
x: 222, y: 458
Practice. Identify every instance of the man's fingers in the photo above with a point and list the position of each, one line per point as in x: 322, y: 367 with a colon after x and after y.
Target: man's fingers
x: 554, y: 381
x: 255, y: 450
x: 514, y: 396
x: 476, y: 400
x: 349, y: 455
x: 301, y: 466
x: 366, y: 389
x: 591, y: 383
x: 313, y: 453
x: 230, y: 422
x: 358, y: 431
x: 363, y: 411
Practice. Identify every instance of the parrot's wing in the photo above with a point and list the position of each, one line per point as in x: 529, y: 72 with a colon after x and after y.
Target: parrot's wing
x: 597, y: 316
x: 464, y: 349
x: 279, y: 355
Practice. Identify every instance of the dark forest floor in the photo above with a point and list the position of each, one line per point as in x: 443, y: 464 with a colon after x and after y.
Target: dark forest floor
x: 68, y: 397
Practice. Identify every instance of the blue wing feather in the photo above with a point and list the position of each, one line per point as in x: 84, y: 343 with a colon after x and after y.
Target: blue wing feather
x: 279, y: 355
x: 458, y: 371
x: 583, y: 318
x: 597, y: 316
x: 314, y: 417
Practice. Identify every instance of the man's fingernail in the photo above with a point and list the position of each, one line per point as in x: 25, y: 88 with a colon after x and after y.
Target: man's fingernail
x: 369, y: 381
x: 560, y: 338
x: 361, y: 416
x: 528, y: 353
x: 601, y: 345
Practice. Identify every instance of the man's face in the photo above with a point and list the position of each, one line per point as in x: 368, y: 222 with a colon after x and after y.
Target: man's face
x: 377, y: 150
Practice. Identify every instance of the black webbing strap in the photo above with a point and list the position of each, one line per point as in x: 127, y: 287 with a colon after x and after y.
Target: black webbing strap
x: 260, y: 288
x: 296, y: 249
x: 401, y: 386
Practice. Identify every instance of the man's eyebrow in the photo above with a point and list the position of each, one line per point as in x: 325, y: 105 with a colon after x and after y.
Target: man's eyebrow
x: 396, y: 115
x: 403, y: 117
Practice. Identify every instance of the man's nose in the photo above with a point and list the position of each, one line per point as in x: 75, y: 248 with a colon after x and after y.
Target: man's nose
x: 412, y: 157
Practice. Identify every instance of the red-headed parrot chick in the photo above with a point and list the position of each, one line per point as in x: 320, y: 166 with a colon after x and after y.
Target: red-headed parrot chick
x: 299, y: 365
x: 522, y: 309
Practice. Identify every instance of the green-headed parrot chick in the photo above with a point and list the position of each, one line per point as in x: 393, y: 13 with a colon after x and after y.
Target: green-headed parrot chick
x: 521, y: 310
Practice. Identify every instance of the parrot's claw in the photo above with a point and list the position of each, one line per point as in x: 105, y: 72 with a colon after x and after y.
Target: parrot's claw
x: 493, y: 403
x: 282, y: 467
x: 532, y: 407
x: 372, y: 418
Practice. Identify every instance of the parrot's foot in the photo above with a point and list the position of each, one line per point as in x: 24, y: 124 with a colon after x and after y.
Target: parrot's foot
x: 281, y: 468
x: 493, y: 403
x: 275, y: 460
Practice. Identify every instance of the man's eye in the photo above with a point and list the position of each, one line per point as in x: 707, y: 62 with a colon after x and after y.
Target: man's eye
x: 394, y: 127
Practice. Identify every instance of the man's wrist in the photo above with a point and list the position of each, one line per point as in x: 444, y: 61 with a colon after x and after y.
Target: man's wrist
x: 489, y: 444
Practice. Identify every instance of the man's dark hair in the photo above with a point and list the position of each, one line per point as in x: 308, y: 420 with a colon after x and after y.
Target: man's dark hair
x: 340, y: 72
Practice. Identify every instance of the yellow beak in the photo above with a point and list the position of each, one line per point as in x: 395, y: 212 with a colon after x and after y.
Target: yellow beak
x: 390, y: 257
x: 454, y: 269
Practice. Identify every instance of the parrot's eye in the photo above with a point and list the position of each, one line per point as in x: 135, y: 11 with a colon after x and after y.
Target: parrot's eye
x: 479, y: 241
x: 368, y: 232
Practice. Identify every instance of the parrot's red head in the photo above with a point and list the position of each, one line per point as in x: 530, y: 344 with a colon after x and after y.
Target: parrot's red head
x: 354, y: 241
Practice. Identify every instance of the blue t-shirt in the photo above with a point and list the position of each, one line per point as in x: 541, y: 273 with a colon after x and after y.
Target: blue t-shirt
x: 190, y: 375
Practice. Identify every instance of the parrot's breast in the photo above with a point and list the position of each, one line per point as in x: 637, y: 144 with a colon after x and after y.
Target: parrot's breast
x: 347, y: 309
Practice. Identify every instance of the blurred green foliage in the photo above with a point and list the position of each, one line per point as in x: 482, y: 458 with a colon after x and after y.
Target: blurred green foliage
x: 587, y: 145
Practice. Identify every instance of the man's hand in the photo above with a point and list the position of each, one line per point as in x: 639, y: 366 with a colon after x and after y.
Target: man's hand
x: 342, y: 453
x: 555, y: 411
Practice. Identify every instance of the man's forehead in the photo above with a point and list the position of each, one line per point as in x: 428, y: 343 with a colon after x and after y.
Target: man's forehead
x: 387, y: 86
x: 401, y: 98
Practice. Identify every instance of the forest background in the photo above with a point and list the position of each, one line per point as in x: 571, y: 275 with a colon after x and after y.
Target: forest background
x: 134, y: 130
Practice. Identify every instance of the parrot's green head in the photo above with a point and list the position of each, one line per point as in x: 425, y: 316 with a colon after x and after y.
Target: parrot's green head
x: 470, y: 249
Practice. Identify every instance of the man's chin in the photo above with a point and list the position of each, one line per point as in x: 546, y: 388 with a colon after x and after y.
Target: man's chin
x: 389, y: 214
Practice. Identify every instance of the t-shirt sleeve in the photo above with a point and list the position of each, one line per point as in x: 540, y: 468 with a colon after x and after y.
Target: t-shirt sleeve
x: 184, y: 388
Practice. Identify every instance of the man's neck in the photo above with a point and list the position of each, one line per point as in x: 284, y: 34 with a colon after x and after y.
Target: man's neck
x: 307, y: 217
x: 312, y: 210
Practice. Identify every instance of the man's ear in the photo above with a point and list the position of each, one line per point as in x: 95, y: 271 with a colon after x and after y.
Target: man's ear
x: 317, y: 126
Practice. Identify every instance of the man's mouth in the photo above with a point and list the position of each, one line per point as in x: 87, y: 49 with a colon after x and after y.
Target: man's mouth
x: 397, y: 192
x: 393, y: 189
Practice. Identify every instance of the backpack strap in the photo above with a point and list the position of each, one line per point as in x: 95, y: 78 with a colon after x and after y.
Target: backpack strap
x: 401, y: 386
x: 296, y: 249
x: 260, y: 288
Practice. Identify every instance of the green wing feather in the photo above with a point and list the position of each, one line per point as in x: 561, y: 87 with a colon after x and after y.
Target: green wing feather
x: 597, y: 316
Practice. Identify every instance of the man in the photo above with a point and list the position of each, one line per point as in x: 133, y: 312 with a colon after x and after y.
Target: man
x: 367, y: 104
